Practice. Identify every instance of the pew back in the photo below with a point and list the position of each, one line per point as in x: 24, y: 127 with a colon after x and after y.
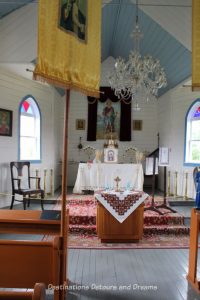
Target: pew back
x: 25, y: 262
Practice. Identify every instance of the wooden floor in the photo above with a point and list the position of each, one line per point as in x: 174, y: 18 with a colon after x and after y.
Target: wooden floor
x: 126, y: 274
x: 129, y: 274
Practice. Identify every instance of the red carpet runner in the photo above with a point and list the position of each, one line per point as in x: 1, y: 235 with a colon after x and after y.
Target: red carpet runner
x: 82, y: 210
x: 166, y: 231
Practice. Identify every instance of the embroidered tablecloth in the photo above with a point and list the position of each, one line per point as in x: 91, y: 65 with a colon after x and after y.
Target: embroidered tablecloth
x: 121, y: 204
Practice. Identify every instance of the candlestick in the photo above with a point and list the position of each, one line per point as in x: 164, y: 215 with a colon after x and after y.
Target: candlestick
x: 168, y: 183
x: 176, y: 179
x: 36, y: 175
x: 186, y: 185
x: 51, y: 182
x: 45, y: 175
x: 36, y: 183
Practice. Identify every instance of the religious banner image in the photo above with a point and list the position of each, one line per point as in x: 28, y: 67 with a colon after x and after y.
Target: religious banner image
x: 73, y: 17
x: 108, y: 120
x: 69, y: 44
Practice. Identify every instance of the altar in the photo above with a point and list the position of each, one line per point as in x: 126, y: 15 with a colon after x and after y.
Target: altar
x: 98, y: 176
x: 120, y: 216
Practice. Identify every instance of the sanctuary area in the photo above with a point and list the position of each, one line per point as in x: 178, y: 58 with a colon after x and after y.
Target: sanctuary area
x: 99, y: 149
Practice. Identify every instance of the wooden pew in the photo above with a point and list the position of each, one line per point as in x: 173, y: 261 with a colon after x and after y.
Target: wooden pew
x: 39, y: 293
x: 22, y: 263
x: 193, y: 250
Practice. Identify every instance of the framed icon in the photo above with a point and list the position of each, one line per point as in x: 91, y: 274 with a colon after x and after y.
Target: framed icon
x: 80, y: 124
x: 5, y: 122
x: 110, y: 155
x: 137, y: 125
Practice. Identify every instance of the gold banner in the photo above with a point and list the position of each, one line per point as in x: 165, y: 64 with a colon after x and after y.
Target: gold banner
x: 196, y: 45
x: 69, y: 44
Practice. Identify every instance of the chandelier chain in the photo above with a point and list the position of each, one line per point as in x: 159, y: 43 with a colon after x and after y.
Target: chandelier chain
x: 139, y: 77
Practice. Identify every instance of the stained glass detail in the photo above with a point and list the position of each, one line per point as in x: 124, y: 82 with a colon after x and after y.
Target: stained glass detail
x: 26, y: 108
x: 30, y: 111
x: 197, y: 113
x: 26, y: 105
x: 22, y: 109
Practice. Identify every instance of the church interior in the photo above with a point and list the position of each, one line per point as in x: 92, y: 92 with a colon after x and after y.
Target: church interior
x: 130, y: 176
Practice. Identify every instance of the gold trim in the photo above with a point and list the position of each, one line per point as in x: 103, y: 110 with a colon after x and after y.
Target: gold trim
x: 64, y: 84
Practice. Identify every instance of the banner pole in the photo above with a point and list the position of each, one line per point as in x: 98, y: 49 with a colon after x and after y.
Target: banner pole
x: 64, y: 216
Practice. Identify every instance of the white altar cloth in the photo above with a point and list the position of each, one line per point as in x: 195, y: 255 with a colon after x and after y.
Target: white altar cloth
x: 121, y: 197
x: 99, y: 176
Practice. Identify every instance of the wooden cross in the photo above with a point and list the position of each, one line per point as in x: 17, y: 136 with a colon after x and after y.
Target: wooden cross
x: 117, y: 179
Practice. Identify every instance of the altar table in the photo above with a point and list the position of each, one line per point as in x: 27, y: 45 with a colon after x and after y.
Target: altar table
x: 95, y: 176
x: 120, y: 216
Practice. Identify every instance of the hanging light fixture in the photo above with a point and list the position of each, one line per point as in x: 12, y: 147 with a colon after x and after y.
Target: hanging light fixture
x: 138, y: 77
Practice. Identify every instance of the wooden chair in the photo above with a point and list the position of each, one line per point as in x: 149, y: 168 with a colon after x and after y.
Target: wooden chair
x: 17, y: 169
x: 38, y: 293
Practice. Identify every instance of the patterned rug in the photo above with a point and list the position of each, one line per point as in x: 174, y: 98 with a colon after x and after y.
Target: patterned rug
x: 164, y: 241
x: 160, y: 231
x: 82, y: 217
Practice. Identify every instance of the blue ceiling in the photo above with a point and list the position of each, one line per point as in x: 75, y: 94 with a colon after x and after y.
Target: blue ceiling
x: 7, y: 6
x: 118, y: 18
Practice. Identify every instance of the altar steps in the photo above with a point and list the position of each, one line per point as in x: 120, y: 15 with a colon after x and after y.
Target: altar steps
x: 82, y: 211
x: 151, y: 220
x: 147, y: 230
x: 163, y: 229
x: 83, y: 229
x: 160, y: 224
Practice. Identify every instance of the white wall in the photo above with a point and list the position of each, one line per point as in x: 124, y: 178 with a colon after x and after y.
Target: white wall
x: 18, y: 43
x: 172, y: 108
x: 143, y: 140
x: 12, y: 89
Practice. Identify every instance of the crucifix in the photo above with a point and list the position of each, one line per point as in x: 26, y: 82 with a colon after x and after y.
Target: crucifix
x: 117, y: 179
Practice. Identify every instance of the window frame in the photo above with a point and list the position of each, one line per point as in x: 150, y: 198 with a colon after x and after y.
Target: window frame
x: 19, y: 125
x: 187, y: 141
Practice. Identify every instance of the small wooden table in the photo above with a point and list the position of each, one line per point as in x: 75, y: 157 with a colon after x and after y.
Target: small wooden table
x: 109, y: 230
x: 27, y: 222
x: 193, y: 252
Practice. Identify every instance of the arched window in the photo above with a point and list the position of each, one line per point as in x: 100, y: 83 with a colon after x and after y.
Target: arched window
x: 192, y: 134
x: 29, y: 130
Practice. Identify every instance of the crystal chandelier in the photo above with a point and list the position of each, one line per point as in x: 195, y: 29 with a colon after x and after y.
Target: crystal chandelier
x: 138, y: 77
